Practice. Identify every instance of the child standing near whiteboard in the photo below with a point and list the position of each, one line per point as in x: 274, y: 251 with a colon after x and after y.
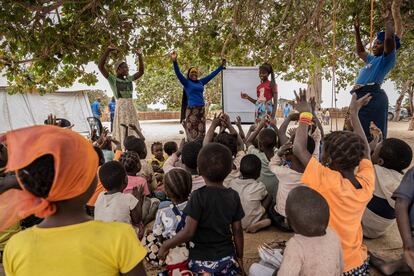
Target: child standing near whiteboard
x: 266, y: 102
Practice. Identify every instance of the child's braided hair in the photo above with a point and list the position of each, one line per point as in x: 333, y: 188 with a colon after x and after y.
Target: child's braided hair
x: 178, y: 184
x: 345, y: 150
x: 38, y: 177
x: 131, y: 162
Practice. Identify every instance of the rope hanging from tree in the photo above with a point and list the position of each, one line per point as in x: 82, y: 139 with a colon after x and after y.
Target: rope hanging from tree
x: 371, y: 26
x: 333, y: 97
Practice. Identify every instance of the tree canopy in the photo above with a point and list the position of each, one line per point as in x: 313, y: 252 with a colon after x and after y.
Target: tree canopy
x: 46, y: 44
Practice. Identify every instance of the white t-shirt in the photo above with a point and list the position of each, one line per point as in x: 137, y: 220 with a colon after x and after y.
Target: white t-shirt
x: 115, y: 207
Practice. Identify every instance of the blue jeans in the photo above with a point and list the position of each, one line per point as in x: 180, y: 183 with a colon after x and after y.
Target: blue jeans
x: 375, y: 111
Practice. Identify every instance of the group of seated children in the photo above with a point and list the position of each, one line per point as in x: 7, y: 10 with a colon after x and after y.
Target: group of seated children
x: 330, y: 191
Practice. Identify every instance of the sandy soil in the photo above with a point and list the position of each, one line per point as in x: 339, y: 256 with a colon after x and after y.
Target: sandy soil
x: 388, y: 246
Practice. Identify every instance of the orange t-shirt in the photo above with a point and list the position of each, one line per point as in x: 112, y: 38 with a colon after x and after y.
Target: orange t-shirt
x: 346, y: 203
x: 99, y: 189
x: 117, y: 155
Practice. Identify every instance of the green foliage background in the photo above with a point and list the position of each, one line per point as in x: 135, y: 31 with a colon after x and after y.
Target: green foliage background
x: 45, y: 45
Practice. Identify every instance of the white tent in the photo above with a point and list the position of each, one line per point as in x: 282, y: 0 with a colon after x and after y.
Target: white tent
x: 27, y: 109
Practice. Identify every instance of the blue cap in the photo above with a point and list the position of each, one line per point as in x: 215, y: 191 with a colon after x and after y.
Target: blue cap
x: 381, y: 37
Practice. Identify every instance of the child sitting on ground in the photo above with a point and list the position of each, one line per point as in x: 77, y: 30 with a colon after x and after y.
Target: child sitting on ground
x: 57, y: 175
x: 188, y: 156
x: 232, y: 140
x: 267, y: 141
x: 288, y: 170
x: 315, y: 249
x: 114, y: 205
x: 390, y: 158
x: 253, y: 195
x: 346, y: 190
x: 404, y: 210
x: 170, y: 148
x: 213, y: 221
x: 132, y: 165
x: 137, y: 145
x: 157, y: 162
x: 130, y: 161
x: 171, y: 219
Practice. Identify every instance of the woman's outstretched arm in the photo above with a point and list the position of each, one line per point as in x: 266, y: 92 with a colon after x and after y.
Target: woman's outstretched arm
x: 102, y: 61
x: 140, y: 72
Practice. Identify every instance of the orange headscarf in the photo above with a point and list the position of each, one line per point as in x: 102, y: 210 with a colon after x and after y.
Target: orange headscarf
x: 75, y: 161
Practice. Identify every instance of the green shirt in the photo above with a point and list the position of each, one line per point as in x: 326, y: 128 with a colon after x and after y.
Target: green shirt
x: 121, y: 88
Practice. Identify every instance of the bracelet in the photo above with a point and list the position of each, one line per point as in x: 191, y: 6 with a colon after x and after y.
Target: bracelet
x: 305, y: 121
x: 306, y: 118
x: 306, y: 115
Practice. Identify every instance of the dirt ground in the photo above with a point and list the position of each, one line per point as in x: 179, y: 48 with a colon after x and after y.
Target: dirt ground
x: 388, y: 246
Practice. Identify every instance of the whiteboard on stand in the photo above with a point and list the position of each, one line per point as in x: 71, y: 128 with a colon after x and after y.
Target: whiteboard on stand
x: 234, y: 81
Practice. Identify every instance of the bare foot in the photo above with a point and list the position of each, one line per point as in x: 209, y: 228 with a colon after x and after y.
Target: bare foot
x: 258, y: 225
x: 387, y: 268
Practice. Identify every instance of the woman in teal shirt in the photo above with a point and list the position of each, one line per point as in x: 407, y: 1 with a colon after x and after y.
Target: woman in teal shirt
x: 121, y: 86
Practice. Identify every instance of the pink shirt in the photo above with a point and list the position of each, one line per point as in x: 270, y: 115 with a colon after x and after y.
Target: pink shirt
x: 136, y: 181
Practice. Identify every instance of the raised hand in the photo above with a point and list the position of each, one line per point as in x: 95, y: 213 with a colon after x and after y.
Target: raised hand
x: 356, y: 22
x: 225, y: 119
x: 216, y: 121
x: 375, y: 131
x: 238, y: 121
x: 244, y: 95
x: 285, y: 149
x: 223, y: 62
x: 291, y: 132
x: 174, y: 56
x: 51, y: 120
x: 133, y: 127
x: 357, y: 104
x: 302, y: 105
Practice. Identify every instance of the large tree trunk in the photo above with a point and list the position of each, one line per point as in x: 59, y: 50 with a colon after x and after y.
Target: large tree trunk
x: 315, y: 86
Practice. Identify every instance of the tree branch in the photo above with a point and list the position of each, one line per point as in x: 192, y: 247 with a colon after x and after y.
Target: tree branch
x: 299, y: 35
x: 396, y: 14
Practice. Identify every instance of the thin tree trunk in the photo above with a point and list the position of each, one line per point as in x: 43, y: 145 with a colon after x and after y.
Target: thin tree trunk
x: 410, y: 102
x: 315, y: 86
x: 404, y: 90
x: 398, y: 106
x: 411, y: 108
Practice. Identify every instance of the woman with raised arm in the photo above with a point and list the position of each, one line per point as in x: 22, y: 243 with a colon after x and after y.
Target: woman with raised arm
x: 266, y: 102
x: 193, y: 104
x: 122, y: 87
x: 377, y: 66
